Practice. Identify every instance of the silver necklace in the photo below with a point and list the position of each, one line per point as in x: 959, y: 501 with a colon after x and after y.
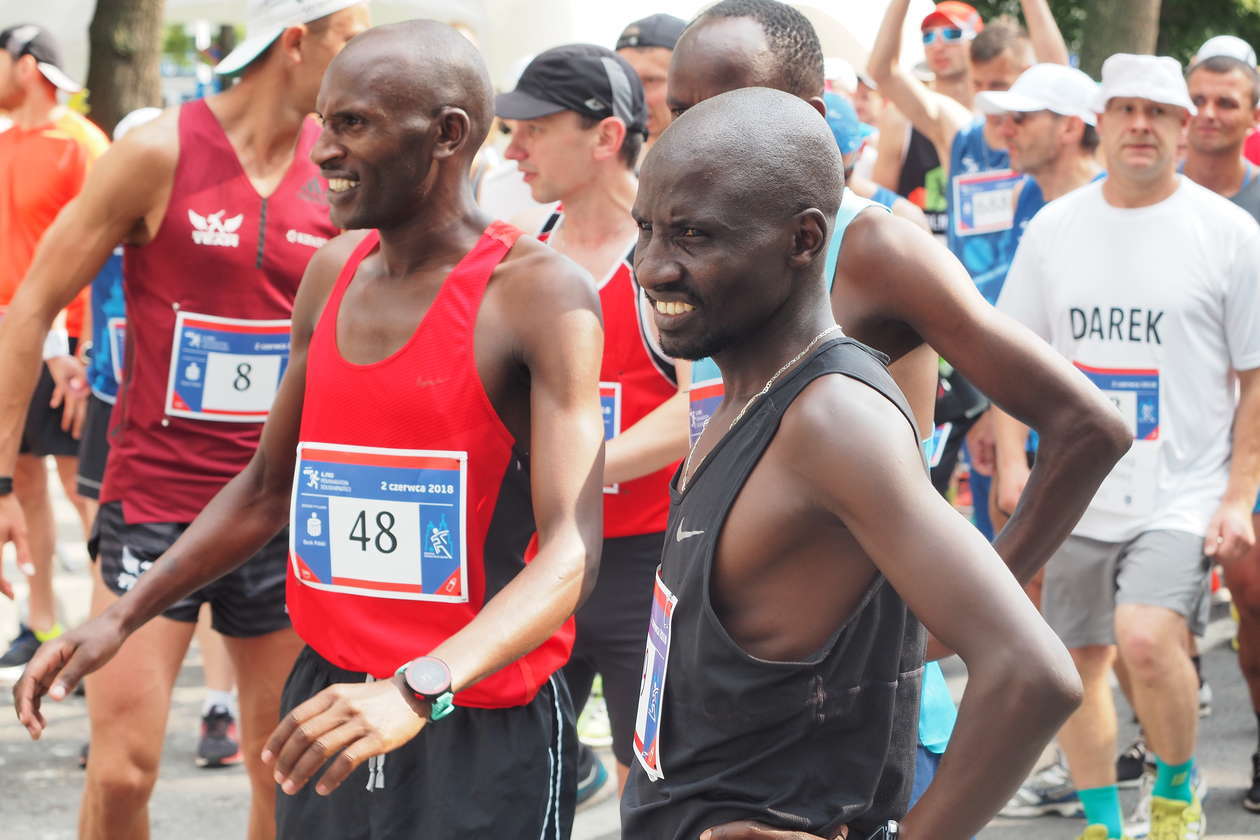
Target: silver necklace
x: 686, y: 473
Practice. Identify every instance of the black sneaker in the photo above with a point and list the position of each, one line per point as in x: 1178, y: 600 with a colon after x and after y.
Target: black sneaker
x: 1252, y: 800
x: 1131, y: 762
x: 21, y: 649
x: 591, y: 774
x: 219, y: 745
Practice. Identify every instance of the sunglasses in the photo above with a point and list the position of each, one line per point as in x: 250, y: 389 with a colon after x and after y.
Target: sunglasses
x: 1019, y: 117
x: 947, y: 34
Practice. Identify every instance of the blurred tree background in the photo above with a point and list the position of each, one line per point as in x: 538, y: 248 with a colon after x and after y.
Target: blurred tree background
x: 1095, y: 29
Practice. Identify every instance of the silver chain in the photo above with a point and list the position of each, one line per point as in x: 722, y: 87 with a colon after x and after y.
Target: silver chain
x: 686, y: 473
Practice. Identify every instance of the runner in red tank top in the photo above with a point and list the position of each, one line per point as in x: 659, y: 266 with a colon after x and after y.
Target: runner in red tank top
x: 220, y: 208
x: 414, y: 480
x: 578, y: 120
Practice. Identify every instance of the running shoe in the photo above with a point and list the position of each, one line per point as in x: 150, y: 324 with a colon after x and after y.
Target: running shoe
x: 1252, y: 800
x: 1097, y: 831
x: 1172, y: 819
x: 1132, y: 762
x: 1048, y: 791
x: 593, y: 726
x: 591, y: 775
x: 1138, y: 824
x: 21, y: 649
x: 1205, y: 699
x: 219, y: 745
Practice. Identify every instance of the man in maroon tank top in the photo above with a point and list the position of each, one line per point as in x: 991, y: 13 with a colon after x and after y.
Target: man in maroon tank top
x: 399, y: 447
x: 578, y: 119
x: 219, y: 208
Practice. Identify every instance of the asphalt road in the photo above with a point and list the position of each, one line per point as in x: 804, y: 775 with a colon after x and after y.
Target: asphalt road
x: 40, y: 783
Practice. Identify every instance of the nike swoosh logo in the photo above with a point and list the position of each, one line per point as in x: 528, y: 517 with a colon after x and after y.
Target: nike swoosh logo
x: 681, y: 535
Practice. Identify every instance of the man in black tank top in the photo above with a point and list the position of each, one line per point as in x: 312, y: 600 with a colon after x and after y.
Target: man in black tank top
x: 781, y: 675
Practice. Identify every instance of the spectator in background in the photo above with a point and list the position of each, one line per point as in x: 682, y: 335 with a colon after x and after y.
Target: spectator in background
x: 647, y: 45
x: 851, y: 134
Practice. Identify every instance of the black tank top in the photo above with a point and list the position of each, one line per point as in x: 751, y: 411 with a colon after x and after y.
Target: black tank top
x: 810, y: 745
x: 922, y: 180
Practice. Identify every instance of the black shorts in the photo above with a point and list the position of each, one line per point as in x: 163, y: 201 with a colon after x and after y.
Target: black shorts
x: 508, y: 774
x: 42, y: 434
x: 93, y: 448
x: 612, y: 632
x: 246, y: 602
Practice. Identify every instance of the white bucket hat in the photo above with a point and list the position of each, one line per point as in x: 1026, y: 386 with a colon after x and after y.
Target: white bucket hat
x: 1230, y: 46
x: 267, y: 19
x: 1157, y: 78
x: 1045, y: 87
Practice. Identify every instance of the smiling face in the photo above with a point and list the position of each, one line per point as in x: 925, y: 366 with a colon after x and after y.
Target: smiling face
x: 1226, y: 111
x: 1140, y: 138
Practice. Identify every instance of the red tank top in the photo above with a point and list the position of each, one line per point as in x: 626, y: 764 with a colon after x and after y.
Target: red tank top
x: 635, y: 378
x: 222, y: 271
x: 411, y: 507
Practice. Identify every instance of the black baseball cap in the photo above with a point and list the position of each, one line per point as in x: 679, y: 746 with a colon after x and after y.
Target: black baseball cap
x: 29, y: 39
x: 655, y: 31
x: 591, y: 80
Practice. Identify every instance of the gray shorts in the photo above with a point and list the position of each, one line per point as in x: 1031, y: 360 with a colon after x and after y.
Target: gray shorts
x: 1086, y: 578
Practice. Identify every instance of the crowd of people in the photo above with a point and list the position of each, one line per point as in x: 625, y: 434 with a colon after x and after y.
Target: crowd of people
x: 740, y: 388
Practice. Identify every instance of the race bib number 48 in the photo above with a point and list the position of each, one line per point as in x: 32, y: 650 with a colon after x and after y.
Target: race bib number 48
x: 647, y: 728
x: 383, y: 523
x: 225, y: 369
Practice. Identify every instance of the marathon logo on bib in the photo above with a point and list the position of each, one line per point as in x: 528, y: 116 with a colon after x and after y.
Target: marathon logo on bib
x: 984, y: 202
x: 647, y: 727
x: 610, y: 408
x: 1135, y: 392
x: 1130, y: 486
x: 214, y: 230
x: 116, y: 329
x: 380, y: 523
x: 704, y: 396
x: 225, y: 369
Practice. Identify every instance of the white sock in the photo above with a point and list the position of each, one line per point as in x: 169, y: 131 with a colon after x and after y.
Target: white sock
x: 226, y: 699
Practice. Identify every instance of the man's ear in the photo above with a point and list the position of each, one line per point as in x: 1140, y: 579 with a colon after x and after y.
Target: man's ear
x: 612, y: 133
x: 290, y: 42
x: 454, y: 132
x: 809, y: 238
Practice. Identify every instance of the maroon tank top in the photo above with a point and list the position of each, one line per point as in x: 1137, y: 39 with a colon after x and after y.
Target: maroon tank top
x: 208, y: 305
x: 411, y: 505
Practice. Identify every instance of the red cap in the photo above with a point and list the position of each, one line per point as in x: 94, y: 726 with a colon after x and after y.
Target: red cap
x: 954, y: 13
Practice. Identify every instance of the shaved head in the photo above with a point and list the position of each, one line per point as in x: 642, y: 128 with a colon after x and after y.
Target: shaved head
x: 761, y: 145
x: 423, y: 66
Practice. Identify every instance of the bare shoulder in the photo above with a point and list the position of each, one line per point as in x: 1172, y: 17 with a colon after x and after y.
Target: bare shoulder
x: 539, y: 278
x: 151, y: 148
x: 320, y: 276
x: 894, y: 261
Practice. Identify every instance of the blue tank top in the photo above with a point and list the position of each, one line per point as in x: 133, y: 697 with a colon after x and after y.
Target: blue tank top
x: 982, y: 207
x: 937, y: 713
x: 108, y: 329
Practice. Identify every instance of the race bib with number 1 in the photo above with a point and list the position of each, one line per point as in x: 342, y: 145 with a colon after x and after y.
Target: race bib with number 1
x: 225, y: 369
x: 381, y: 523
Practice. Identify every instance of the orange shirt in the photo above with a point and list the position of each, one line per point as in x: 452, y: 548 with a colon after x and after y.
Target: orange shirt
x: 41, y: 170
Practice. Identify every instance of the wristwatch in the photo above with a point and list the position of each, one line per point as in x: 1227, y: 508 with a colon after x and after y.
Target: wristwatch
x: 429, y: 680
x: 890, y: 830
x: 6, y: 485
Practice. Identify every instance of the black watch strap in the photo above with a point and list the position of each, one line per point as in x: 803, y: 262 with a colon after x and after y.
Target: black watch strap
x: 6, y: 485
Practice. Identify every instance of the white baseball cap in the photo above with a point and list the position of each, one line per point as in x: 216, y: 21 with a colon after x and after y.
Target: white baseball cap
x: 1045, y: 87
x: 1226, y: 45
x: 1157, y: 78
x: 267, y: 19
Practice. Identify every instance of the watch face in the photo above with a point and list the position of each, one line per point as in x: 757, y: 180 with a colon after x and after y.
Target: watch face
x: 429, y: 676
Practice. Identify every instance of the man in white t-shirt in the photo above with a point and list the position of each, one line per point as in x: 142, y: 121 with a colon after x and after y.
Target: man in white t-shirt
x: 1149, y: 284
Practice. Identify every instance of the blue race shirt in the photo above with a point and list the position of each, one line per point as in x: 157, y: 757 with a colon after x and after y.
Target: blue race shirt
x: 108, y: 329
x: 982, y: 207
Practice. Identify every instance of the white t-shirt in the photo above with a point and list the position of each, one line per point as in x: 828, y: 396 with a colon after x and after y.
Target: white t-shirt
x: 1158, y: 306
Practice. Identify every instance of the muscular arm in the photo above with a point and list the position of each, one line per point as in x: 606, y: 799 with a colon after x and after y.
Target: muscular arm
x: 1019, y: 691
x: 1047, y: 40
x: 659, y: 438
x: 902, y: 274
x: 937, y: 116
x: 561, y: 347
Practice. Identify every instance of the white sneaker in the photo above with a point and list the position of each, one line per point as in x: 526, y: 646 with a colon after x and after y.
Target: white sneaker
x: 1047, y: 791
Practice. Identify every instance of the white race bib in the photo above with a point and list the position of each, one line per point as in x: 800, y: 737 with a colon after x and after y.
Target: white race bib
x: 225, y: 369
x: 647, y: 727
x: 1130, y: 487
x: 382, y: 523
x: 984, y: 202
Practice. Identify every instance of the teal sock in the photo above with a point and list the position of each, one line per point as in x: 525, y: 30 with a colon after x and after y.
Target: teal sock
x: 1172, y: 781
x: 1102, y: 807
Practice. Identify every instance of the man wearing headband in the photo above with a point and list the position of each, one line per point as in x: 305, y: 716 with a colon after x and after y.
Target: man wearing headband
x: 577, y: 118
x: 1147, y: 282
x: 219, y: 208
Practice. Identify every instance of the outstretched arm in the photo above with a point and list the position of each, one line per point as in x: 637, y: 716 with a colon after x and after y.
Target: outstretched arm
x: 1047, y: 40
x: 936, y: 116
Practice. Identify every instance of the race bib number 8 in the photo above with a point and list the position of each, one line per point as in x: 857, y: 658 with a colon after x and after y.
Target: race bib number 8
x: 225, y: 369
x: 382, y: 523
x: 647, y: 728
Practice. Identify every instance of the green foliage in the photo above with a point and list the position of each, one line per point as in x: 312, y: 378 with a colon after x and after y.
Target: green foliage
x: 1183, y: 24
x: 178, y: 46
